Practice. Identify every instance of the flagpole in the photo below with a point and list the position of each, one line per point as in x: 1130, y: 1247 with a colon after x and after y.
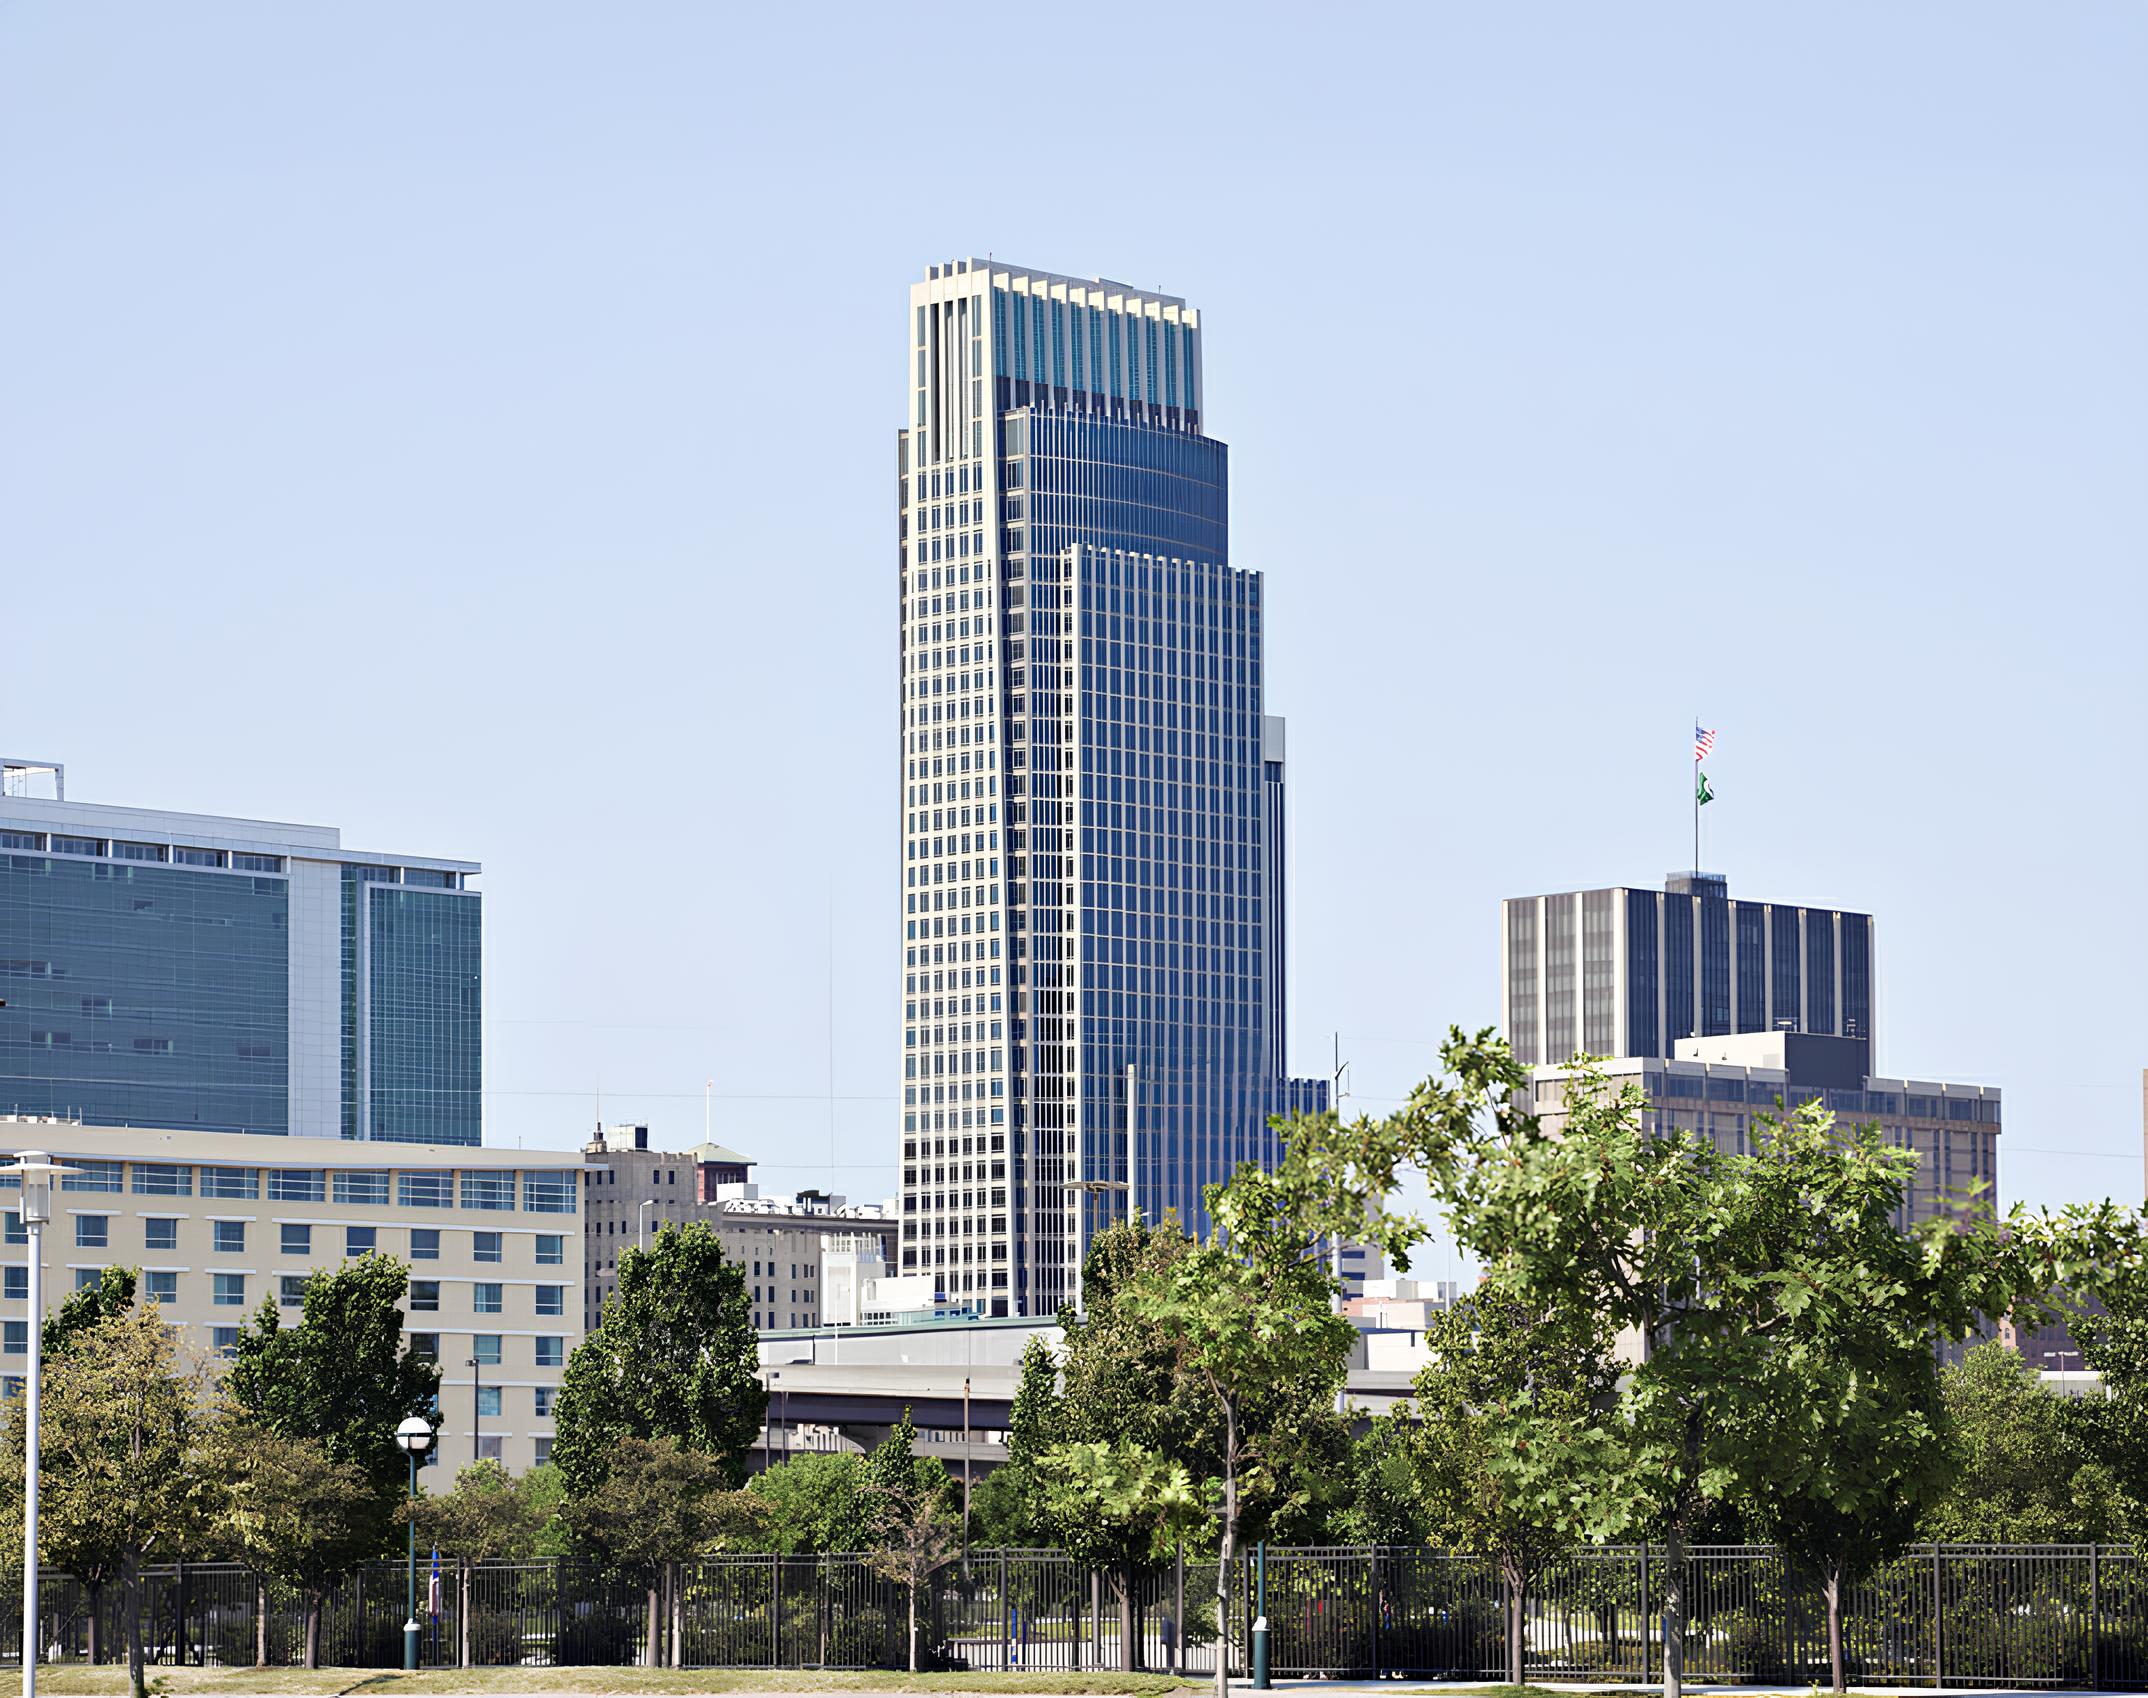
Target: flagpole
x: 1694, y: 786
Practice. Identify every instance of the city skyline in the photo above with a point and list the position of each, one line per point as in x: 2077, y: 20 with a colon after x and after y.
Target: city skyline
x: 1790, y: 376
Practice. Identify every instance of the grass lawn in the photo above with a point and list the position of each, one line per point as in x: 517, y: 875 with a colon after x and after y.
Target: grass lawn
x: 107, y: 1682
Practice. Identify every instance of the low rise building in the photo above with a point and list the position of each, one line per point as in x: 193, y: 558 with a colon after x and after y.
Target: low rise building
x: 779, y: 1239
x: 216, y: 1222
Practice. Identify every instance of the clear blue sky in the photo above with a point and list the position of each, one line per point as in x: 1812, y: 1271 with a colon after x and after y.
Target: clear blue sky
x: 473, y: 425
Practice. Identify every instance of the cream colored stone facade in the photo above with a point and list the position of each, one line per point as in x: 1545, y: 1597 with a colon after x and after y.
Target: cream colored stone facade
x: 217, y: 1222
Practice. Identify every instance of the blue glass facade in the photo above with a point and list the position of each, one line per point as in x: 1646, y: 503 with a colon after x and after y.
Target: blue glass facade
x: 143, y: 995
x: 423, y: 1055
x: 1093, y: 799
x: 200, y: 972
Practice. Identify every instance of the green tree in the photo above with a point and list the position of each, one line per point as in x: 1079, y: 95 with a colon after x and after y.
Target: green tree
x: 674, y: 1355
x: 1248, y: 1312
x: 1515, y: 1453
x: 817, y: 1503
x: 119, y: 1481
x: 915, y: 1536
x: 661, y: 1503
x: 2113, y: 1429
x: 2027, y: 1473
x: 345, y: 1376
x: 1010, y: 1506
x: 84, y: 1307
x: 488, y: 1514
x: 1703, y: 1259
x: 893, y: 1467
x: 294, y: 1513
x: 1384, y: 1504
x: 1121, y: 1508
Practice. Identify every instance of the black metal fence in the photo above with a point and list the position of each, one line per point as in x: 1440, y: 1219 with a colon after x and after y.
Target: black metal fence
x: 1958, y: 1615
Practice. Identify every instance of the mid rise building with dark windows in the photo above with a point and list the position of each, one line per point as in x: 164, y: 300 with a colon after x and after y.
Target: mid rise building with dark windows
x: 1092, y: 789
x: 1624, y: 971
x: 200, y: 972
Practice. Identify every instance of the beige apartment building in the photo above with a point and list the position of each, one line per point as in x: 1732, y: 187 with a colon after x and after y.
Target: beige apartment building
x: 218, y: 1221
x: 777, y: 1240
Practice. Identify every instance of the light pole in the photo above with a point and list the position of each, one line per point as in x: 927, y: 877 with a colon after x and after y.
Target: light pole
x: 35, y: 1171
x: 477, y: 1417
x: 415, y: 1435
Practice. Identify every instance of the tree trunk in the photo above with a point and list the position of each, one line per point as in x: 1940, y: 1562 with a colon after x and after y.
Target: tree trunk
x: 913, y: 1625
x: 131, y: 1606
x: 313, y: 1630
x: 1517, y: 1618
x: 1832, y: 1587
x: 1229, y: 1549
x: 260, y: 1621
x: 1123, y: 1579
x: 1674, y: 1609
x: 96, y: 1623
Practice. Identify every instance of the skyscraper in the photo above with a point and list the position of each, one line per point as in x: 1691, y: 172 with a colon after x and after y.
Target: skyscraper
x: 201, y: 973
x: 1093, y: 796
x: 1630, y: 972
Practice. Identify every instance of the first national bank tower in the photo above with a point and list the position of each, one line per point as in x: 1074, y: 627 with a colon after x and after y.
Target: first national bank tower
x: 1092, y: 827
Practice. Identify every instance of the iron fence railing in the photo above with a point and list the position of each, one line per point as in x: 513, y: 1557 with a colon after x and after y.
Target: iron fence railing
x: 1955, y: 1615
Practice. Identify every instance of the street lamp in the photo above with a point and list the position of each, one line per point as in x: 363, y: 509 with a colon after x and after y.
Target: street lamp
x: 415, y: 1436
x: 35, y: 1172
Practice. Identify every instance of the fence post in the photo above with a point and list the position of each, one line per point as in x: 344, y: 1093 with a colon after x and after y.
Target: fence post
x: 2095, y: 1618
x: 1006, y: 1620
x: 775, y: 1610
x: 1644, y: 1612
x: 1939, y: 1620
x: 1372, y: 1557
x: 1178, y: 1609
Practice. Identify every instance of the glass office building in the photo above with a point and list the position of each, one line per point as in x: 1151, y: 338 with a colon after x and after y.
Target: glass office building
x: 1093, y: 796
x: 198, y: 972
x: 1625, y: 972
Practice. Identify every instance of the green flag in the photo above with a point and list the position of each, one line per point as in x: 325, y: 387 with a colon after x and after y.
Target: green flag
x: 1703, y: 795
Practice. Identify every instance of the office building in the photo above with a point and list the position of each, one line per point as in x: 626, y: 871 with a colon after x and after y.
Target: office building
x: 1630, y: 972
x: 215, y: 1225
x: 231, y: 975
x: 1092, y: 790
x: 778, y: 1240
x: 1719, y: 1086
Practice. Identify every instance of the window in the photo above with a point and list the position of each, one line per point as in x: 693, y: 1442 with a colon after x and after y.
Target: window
x: 425, y: 1345
x: 17, y: 1233
x: 291, y: 1290
x: 92, y: 1232
x: 488, y: 1190
x: 15, y: 1284
x: 485, y: 1297
x: 197, y: 857
x: 160, y: 1234
x: 297, y: 1239
x: 227, y: 1290
x: 17, y: 1339
x: 360, y: 1240
x: 488, y: 1447
x: 425, y: 1294
x: 240, y: 1182
x: 224, y: 1340
x: 257, y: 863
x: 551, y: 1300
x: 551, y: 1352
x: 543, y: 1398
x: 163, y: 1179
x: 425, y: 1190
x: 549, y: 1191
x: 541, y: 1446
x: 94, y: 1175
x: 367, y: 1190
x: 484, y: 1246
x: 161, y: 1285
x: 425, y: 1244
x: 298, y: 1185
x: 485, y: 1346
x: 551, y: 1250
x: 227, y: 1237
x: 488, y: 1400
x: 87, y: 1279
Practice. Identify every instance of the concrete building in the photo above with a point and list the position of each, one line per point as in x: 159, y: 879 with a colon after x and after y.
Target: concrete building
x: 231, y: 975
x: 1624, y: 971
x: 216, y: 1223
x: 1718, y: 1086
x: 1092, y: 788
x: 634, y: 1190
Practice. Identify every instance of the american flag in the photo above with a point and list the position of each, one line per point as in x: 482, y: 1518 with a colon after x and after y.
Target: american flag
x: 1703, y: 741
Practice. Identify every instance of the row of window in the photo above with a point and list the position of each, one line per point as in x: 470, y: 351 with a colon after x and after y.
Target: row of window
x: 180, y: 854
x: 228, y: 1237
x: 543, y: 1190
x: 547, y: 1350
